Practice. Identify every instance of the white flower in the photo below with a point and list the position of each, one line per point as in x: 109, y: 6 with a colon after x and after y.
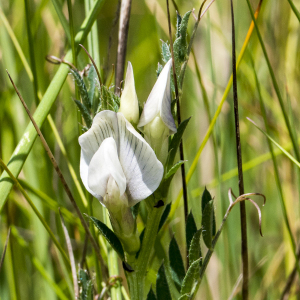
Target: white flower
x: 117, y: 165
x: 129, y: 104
x: 156, y: 120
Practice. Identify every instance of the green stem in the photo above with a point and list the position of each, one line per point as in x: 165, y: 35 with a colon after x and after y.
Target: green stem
x: 136, y: 279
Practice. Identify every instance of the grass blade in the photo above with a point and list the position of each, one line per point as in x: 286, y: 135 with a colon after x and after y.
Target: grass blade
x: 25, y: 144
x: 4, y: 250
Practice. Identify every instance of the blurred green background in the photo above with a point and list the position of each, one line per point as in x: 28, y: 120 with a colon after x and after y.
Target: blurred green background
x: 270, y: 257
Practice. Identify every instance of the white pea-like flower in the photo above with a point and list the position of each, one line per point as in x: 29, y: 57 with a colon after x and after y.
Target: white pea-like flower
x: 129, y: 104
x: 119, y: 168
x: 157, y: 121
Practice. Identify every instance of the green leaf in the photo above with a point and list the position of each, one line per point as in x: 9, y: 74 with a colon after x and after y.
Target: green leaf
x: 108, y: 100
x: 190, y: 279
x: 178, y: 22
x: 92, y: 75
x: 195, y: 249
x: 110, y: 237
x: 176, y: 263
x: 165, y: 52
x: 86, y: 286
x: 175, y: 142
x: 162, y: 288
x: 206, y: 197
x: 82, y: 89
x: 207, y: 223
x: 85, y: 113
x: 190, y: 229
x: 164, y: 216
x: 174, y: 169
x: 151, y: 295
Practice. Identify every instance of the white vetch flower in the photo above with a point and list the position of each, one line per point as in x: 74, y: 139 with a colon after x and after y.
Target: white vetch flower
x: 157, y: 120
x: 129, y: 104
x: 113, y: 148
x: 118, y: 167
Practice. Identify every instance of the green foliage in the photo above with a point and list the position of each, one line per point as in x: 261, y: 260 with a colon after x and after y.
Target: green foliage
x: 162, y: 287
x: 207, y: 223
x: 174, y: 169
x: 206, y: 197
x: 164, y: 216
x: 176, y: 263
x: 195, y: 248
x: 165, y: 52
x: 92, y: 75
x: 82, y: 89
x: 86, y: 286
x: 173, y: 146
x: 108, y: 100
x: 85, y: 114
x: 151, y: 295
x: 190, y: 229
x: 190, y: 279
x: 110, y: 237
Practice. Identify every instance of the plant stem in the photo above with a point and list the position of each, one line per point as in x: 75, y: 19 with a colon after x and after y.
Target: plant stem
x: 244, y: 245
x: 137, y: 278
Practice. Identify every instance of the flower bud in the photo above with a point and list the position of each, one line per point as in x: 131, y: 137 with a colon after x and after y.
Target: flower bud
x: 129, y: 104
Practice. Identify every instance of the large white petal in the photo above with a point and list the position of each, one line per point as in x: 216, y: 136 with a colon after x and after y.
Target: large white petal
x: 159, y: 100
x: 105, y: 163
x: 129, y: 104
x: 141, y: 167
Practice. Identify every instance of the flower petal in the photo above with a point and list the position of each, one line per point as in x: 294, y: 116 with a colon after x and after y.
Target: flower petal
x: 159, y: 101
x: 129, y: 104
x: 104, y: 164
x: 142, y: 169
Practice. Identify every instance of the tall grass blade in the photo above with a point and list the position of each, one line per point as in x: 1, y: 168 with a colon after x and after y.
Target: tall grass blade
x: 25, y: 144
x: 4, y: 250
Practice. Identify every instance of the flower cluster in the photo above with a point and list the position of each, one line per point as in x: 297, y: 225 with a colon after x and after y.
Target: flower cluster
x: 118, y: 166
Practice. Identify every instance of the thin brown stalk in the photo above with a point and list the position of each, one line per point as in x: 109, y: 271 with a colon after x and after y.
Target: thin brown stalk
x: 71, y: 255
x: 59, y: 173
x: 4, y: 250
x: 181, y: 153
x: 244, y: 250
x: 122, y: 43
x: 93, y: 62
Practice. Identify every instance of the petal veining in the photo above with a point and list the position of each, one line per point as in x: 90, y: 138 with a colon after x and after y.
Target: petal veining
x: 159, y: 100
x: 105, y: 164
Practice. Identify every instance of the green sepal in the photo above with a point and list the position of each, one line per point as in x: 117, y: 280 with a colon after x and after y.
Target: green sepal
x: 164, y: 216
x: 174, y: 169
x: 110, y: 236
x: 85, y: 114
x: 195, y: 249
x: 82, y: 89
x: 162, y: 287
x: 190, y: 229
x: 207, y: 223
x: 206, y: 197
x: 173, y: 146
x: 151, y: 295
x: 141, y: 241
x: 92, y: 75
x: 176, y: 263
x: 190, y: 279
x: 86, y: 291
